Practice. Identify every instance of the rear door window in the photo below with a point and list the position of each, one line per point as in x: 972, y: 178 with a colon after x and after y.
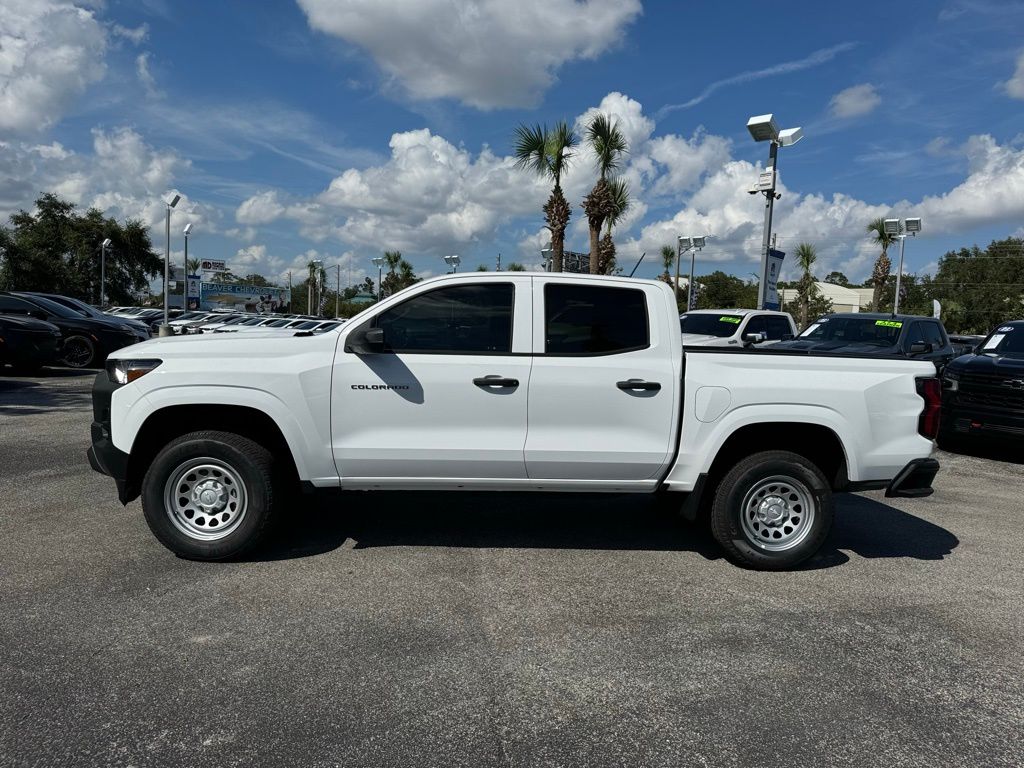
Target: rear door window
x: 594, y: 320
x: 777, y: 327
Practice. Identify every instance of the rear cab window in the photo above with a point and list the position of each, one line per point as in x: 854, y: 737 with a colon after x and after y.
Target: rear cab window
x: 594, y: 320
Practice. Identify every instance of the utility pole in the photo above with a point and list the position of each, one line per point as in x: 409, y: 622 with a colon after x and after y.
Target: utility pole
x: 498, y: 267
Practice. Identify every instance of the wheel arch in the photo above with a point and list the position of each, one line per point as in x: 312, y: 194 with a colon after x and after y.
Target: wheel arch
x: 173, y: 421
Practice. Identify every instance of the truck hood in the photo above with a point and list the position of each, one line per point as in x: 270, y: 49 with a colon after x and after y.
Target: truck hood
x: 706, y: 340
x: 221, y: 345
x: 988, y: 364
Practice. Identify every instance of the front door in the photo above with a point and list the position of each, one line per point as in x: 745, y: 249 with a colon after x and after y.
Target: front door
x: 446, y: 397
x: 604, y: 391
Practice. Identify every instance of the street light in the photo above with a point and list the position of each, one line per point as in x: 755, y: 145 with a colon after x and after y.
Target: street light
x: 901, y: 230
x: 764, y: 128
x: 165, y: 329
x: 691, y: 244
x: 103, y: 272
x: 337, y: 290
x: 187, y: 231
x: 379, y: 262
x: 453, y: 261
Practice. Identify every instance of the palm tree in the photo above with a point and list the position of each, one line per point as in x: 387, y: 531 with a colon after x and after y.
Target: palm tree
x: 515, y: 266
x: 806, y: 255
x: 619, y: 190
x: 668, y: 258
x: 192, y: 265
x: 548, y: 154
x: 880, y: 274
x: 608, y: 143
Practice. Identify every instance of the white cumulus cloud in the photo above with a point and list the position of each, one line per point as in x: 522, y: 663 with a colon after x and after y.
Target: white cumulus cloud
x: 855, y: 101
x: 50, y: 52
x: 1015, y: 85
x: 487, y: 53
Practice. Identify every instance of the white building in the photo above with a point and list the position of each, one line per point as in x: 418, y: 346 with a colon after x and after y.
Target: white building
x: 843, y: 299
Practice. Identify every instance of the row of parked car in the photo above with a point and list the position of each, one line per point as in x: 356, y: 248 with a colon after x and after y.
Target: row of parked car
x: 982, y: 376
x: 42, y: 329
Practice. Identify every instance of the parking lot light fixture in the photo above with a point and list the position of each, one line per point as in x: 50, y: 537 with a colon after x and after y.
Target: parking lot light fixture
x: 901, y: 230
x: 453, y: 261
x: 165, y: 329
x: 378, y: 261
x: 764, y: 128
x: 103, y: 271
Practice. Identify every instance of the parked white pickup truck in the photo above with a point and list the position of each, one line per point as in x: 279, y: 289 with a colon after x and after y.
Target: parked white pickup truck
x: 725, y: 327
x: 509, y: 381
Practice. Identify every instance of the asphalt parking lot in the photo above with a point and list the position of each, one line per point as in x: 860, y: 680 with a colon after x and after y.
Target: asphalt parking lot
x: 498, y: 629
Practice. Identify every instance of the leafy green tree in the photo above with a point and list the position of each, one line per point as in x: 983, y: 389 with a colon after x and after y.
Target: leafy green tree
x: 56, y: 249
x: 608, y: 144
x: 837, y: 278
x: 548, y: 154
x: 515, y: 266
x: 400, y: 273
x: 621, y: 202
x: 883, y: 266
x: 257, y: 280
x: 806, y: 255
x: 719, y: 290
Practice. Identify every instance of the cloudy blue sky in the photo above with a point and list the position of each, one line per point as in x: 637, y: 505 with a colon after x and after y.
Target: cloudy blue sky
x: 337, y: 129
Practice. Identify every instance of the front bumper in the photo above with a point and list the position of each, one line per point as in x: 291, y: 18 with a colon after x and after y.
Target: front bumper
x: 103, y: 456
x: 914, y: 480
x: 968, y: 421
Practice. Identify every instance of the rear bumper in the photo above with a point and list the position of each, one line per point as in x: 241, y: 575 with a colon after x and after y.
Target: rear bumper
x: 914, y: 480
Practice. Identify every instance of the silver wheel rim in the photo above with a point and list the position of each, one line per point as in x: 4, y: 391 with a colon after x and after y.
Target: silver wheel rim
x: 77, y: 352
x: 778, y: 513
x: 205, y: 499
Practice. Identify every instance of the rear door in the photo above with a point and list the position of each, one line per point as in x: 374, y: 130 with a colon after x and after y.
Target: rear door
x: 604, y: 390
x: 446, y: 398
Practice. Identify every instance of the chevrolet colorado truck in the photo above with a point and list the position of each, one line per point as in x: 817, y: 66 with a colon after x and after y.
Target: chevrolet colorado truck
x: 509, y: 382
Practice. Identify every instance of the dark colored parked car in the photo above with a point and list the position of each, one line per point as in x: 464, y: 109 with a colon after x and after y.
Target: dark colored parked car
x: 86, y: 341
x: 28, y: 344
x: 965, y: 345
x: 983, y: 392
x: 86, y: 309
x: 867, y: 333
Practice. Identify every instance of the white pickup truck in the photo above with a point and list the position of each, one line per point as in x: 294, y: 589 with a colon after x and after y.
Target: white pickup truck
x: 725, y: 327
x: 509, y: 381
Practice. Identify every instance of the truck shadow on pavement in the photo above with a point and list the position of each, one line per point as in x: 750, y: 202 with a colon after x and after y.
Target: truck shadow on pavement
x: 863, y: 526
x: 23, y: 396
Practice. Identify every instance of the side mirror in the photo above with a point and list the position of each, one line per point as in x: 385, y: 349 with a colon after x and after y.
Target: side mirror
x: 366, y: 342
x: 754, y: 338
x: 374, y: 339
x: 920, y: 348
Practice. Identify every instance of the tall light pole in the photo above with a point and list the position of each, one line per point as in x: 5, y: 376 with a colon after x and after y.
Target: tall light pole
x: 103, y: 272
x: 165, y: 329
x: 453, y: 261
x: 337, y: 290
x: 696, y: 244
x: 901, y: 230
x: 379, y: 262
x: 186, y: 231
x: 763, y: 128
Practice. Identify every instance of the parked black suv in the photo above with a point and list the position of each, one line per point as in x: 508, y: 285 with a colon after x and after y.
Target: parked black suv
x: 983, y: 392
x: 28, y: 344
x: 86, y: 341
x: 867, y: 333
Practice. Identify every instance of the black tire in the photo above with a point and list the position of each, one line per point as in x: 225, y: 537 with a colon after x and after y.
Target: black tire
x: 746, y: 492
x: 255, y: 478
x: 78, y: 352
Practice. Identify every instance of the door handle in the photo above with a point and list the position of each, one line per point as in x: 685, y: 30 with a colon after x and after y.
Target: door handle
x: 638, y: 384
x: 495, y: 382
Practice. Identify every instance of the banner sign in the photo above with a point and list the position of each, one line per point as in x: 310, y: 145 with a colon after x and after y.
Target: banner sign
x: 251, y: 298
x: 213, y: 265
x: 193, y: 292
x: 771, y: 282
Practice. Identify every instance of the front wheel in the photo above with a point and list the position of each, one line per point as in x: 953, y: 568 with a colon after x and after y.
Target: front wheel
x: 78, y: 352
x: 210, y: 495
x: 772, y: 511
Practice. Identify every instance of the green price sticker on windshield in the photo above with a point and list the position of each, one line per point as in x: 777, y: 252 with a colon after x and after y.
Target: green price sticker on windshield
x: 889, y: 323
x: 729, y: 320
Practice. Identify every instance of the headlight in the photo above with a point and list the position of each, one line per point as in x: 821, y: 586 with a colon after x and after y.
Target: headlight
x: 127, y: 371
x: 951, y: 381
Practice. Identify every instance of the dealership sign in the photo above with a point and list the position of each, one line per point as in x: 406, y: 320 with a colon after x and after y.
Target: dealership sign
x: 213, y: 265
x: 252, y: 298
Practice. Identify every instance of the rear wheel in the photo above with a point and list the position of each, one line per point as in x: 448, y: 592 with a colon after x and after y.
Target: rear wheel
x: 78, y: 352
x: 210, y: 495
x: 772, y: 511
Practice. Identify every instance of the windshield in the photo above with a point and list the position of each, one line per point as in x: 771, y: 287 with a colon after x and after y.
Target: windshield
x: 56, y: 309
x: 855, y: 330
x: 710, y: 325
x: 79, y: 306
x: 1006, y: 340
x: 278, y: 323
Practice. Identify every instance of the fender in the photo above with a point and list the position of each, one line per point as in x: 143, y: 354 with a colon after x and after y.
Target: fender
x: 308, y: 439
